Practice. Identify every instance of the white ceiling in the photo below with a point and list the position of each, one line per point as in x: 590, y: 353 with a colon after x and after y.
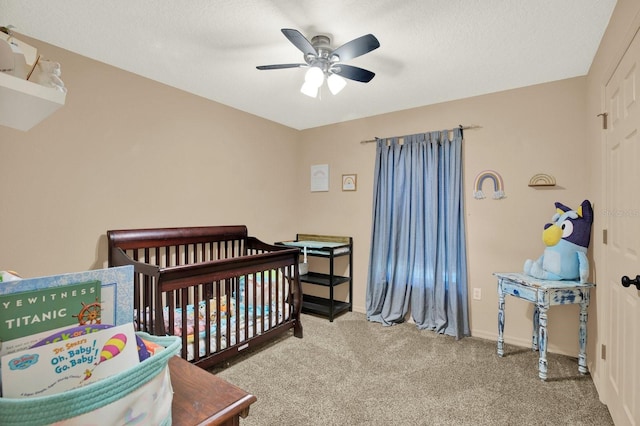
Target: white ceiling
x: 431, y: 50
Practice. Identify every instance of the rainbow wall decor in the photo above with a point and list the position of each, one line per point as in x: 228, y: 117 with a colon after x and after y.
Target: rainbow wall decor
x: 498, y: 185
x: 542, y: 179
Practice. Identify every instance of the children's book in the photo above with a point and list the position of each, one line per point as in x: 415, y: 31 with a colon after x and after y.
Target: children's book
x: 69, y: 363
x: 33, y: 308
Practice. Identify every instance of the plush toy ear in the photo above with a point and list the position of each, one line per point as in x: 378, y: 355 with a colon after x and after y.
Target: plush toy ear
x: 586, y: 210
x: 579, y: 211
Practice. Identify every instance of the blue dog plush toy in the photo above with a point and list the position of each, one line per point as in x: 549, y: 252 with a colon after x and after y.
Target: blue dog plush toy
x: 567, y: 239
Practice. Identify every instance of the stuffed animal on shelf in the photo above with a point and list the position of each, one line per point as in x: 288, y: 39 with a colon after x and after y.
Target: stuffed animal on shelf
x: 567, y: 238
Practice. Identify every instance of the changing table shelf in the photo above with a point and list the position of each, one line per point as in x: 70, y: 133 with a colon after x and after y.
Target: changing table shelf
x: 328, y: 247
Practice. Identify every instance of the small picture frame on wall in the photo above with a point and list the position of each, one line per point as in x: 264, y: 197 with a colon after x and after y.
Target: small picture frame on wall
x: 320, y: 178
x: 349, y: 182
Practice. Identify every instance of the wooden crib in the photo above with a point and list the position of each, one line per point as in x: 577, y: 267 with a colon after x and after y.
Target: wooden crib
x: 219, y: 289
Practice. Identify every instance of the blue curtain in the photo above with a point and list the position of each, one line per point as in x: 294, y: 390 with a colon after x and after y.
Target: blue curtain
x: 418, y: 247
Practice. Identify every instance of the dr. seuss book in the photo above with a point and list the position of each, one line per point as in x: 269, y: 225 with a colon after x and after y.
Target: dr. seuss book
x: 70, y: 363
x: 33, y: 308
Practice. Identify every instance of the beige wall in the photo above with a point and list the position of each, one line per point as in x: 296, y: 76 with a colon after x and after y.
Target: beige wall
x: 128, y: 152
x: 549, y: 128
x: 538, y: 129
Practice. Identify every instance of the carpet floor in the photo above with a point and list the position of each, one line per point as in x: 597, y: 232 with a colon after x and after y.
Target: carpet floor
x: 355, y: 372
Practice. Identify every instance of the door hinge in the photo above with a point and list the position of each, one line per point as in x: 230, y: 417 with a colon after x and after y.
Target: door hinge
x: 604, y: 236
x: 603, y: 351
x: 604, y: 119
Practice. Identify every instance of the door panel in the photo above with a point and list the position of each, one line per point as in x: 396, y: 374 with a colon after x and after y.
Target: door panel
x: 622, y: 252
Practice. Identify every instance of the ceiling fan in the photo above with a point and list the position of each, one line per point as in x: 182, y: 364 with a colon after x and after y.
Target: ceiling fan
x: 323, y: 61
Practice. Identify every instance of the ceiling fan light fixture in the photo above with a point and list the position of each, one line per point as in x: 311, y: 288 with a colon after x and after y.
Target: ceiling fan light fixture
x: 336, y: 83
x: 314, y: 77
x: 324, y: 61
x: 309, y: 89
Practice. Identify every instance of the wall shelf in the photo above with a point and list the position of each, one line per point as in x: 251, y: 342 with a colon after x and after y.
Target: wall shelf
x: 542, y: 179
x: 24, y: 104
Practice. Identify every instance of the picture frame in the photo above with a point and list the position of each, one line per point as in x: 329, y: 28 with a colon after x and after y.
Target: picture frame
x: 320, y: 178
x: 350, y: 182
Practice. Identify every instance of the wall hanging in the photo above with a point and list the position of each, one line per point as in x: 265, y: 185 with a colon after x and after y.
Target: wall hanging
x: 320, y: 178
x: 542, y: 179
x: 498, y: 185
x: 349, y: 182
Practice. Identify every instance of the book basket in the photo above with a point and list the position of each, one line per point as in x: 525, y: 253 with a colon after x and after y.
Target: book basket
x: 139, y: 395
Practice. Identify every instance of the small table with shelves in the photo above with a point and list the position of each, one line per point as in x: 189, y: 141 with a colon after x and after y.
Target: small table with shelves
x: 328, y: 247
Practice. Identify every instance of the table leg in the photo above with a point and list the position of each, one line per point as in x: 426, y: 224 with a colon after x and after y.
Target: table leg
x: 536, y: 326
x: 542, y: 343
x: 582, y: 339
x: 500, y: 320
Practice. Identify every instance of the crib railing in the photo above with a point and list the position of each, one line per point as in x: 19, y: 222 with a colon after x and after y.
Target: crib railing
x: 215, y: 286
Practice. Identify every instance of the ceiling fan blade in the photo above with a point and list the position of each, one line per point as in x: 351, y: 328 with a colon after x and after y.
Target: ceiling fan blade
x: 353, y: 73
x: 356, y: 47
x: 280, y: 66
x: 299, y: 41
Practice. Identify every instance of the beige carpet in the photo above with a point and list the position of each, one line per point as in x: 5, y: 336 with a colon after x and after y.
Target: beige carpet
x: 354, y: 372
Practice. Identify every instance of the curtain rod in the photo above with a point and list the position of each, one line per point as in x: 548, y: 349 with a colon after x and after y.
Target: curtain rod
x: 461, y: 127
